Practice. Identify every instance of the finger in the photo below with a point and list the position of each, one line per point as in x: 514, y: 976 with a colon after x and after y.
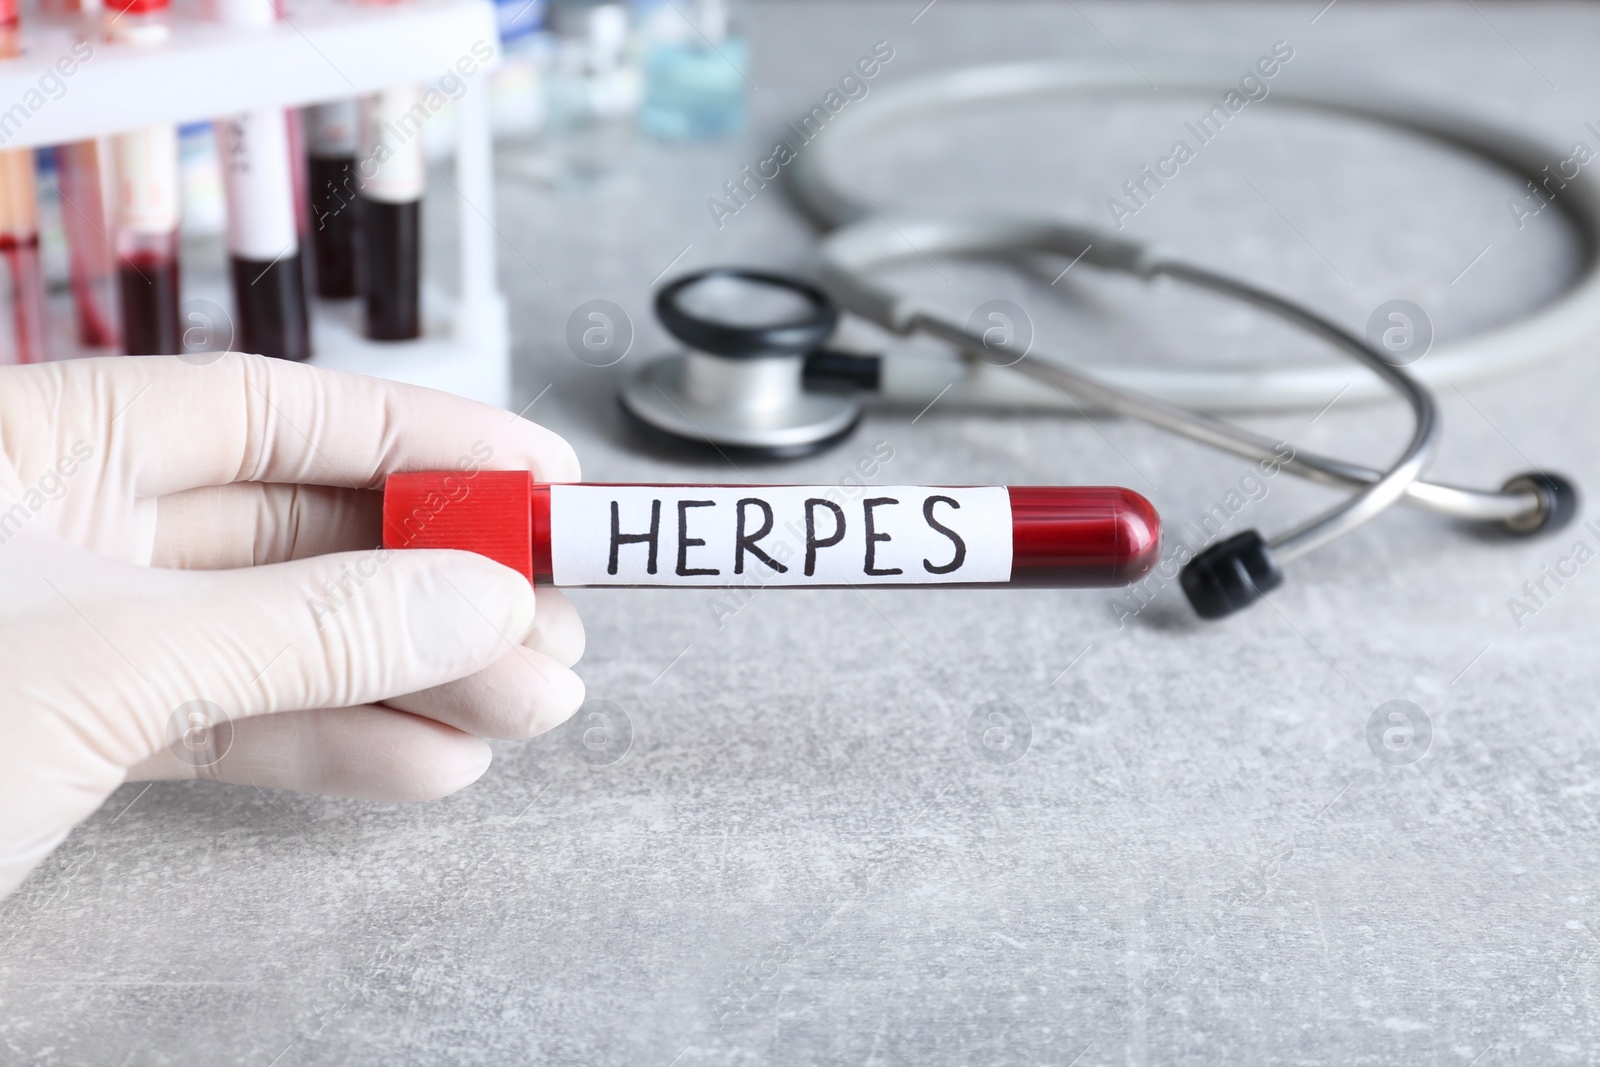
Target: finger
x: 361, y: 626
x: 163, y: 425
x: 330, y: 631
x: 557, y: 631
x: 248, y: 524
x: 520, y: 695
x: 229, y: 526
x: 527, y: 691
x: 148, y: 647
x: 366, y: 752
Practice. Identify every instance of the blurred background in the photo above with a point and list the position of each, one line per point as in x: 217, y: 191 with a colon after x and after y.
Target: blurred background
x: 787, y: 846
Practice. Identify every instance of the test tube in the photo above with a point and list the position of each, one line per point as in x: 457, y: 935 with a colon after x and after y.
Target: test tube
x: 393, y: 174
x: 19, y: 251
x: 147, y: 239
x: 263, y: 236
x: 85, y: 182
x: 19, y: 231
x: 811, y: 536
x: 145, y: 203
x: 300, y: 196
x: 332, y: 136
x: 263, y: 243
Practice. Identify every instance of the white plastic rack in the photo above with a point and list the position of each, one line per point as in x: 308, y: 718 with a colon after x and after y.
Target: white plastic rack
x: 322, y: 51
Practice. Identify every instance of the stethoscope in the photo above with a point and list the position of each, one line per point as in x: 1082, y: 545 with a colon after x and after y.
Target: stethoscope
x: 757, y: 376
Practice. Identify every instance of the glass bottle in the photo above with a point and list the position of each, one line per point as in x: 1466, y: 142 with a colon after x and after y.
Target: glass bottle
x: 594, y: 91
x: 695, y: 71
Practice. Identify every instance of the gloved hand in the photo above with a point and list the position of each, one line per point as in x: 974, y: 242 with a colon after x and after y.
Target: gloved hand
x: 192, y: 588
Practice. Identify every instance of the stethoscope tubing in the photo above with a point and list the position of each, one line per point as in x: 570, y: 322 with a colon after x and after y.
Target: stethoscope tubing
x: 1569, y: 320
x: 1374, y: 494
x: 849, y: 256
x: 852, y: 253
x: 1391, y: 485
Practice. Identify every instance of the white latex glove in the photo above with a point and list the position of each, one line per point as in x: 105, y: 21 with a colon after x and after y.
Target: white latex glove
x: 173, y: 533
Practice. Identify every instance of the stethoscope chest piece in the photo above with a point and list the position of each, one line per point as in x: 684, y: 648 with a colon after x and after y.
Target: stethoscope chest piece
x: 740, y: 383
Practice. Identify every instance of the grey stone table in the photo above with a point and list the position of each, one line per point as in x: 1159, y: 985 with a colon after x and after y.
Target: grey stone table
x: 1198, y: 856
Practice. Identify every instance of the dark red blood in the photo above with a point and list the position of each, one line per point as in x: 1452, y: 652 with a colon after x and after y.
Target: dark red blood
x: 147, y: 288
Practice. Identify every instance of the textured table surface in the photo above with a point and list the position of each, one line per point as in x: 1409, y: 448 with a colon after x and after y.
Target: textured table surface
x: 1198, y: 856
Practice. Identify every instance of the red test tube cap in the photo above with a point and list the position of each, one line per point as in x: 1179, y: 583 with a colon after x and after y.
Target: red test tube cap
x: 133, y: 7
x: 484, y: 512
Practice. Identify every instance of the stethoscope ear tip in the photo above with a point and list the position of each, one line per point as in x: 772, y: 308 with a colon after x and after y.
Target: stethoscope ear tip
x: 1230, y: 575
x: 1235, y: 573
x: 1558, y: 503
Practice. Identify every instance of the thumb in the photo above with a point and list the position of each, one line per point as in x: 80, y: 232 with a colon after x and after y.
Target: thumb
x: 345, y: 629
x: 98, y: 658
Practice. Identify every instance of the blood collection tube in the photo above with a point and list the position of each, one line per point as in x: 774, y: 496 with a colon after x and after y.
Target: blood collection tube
x: 264, y: 253
x: 83, y: 171
x: 23, y: 340
x: 263, y: 242
x: 393, y: 172
x: 146, y: 203
x: 717, y: 536
x: 24, y: 337
x: 332, y: 136
x: 85, y: 182
x: 299, y: 185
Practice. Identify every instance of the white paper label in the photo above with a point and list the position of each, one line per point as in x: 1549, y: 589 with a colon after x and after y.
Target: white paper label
x: 147, y: 179
x: 692, y: 535
x: 253, y: 149
x: 393, y: 167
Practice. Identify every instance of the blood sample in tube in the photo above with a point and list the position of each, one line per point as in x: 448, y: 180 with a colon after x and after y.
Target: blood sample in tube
x: 393, y: 172
x: 263, y: 242
x: 332, y: 136
x: 145, y: 203
x: 297, y: 182
x: 85, y: 181
x: 714, y: 536
x: 22, y: 337
x: 263, y: 236
x: 148, y: 282
x: 147, y: 239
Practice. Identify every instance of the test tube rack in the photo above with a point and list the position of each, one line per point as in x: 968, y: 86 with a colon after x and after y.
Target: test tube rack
x: 321, y: 51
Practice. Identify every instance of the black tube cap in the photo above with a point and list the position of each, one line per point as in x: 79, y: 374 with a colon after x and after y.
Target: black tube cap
x: 1230, y: 575
x: 1558, y: 503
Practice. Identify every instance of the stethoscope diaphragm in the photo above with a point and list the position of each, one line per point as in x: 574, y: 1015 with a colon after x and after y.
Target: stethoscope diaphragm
x: 740, y: 384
